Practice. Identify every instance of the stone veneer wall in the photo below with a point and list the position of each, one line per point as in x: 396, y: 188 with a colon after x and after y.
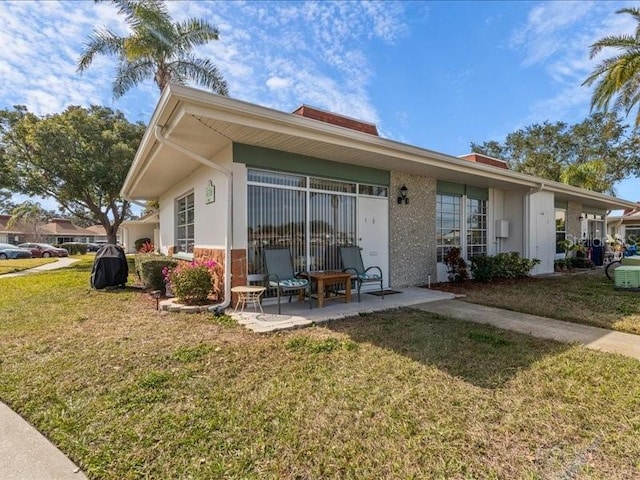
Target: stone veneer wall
x: 574, y: 210
x: 412, y: 231
x: 216, y: 254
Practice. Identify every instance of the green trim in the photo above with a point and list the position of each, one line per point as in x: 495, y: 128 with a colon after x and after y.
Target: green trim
x: 560, y: 204
x: 269, y: 159
x: 593, y: 210
x: 478, y: 193
x: 449, y: 188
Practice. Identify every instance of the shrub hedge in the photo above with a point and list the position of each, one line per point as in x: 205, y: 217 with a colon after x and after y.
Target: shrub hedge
x: 503, y: 265
x: 149, y: 269
x: 74, y: 248
x: 140, y: 242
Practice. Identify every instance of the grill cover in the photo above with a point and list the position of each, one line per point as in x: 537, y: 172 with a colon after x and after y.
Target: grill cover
x: 110, y: 267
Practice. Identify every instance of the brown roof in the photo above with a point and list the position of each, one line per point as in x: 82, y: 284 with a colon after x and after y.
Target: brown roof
x: 97, y: 229
x: 63, y: 226
x: 4, y: 220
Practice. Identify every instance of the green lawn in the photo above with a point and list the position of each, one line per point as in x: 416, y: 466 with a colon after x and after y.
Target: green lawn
x: 129, y: 392
x: 587, y: 297
x: 19, y: 264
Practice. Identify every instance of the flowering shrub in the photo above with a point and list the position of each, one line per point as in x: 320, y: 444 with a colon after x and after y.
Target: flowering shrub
x: 147, y: 247
x: 191, y: 282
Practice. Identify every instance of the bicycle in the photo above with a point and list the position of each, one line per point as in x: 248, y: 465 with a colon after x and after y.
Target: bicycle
x: 610, y: 269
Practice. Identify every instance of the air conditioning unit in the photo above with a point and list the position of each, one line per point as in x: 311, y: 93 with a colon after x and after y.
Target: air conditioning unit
x: 502, y: 228
x: 627, y: 278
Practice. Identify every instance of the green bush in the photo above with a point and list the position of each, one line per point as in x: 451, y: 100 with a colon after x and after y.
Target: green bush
x: 503, y: 265
x: 74, y: 248
x: 580, y: 262
x: 483, y: 268
x: 140, y: 242
x: 149, y: 270
x: 192, y: 282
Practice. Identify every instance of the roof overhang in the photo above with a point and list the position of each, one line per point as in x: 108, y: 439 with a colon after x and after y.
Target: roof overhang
x: 206, y: 123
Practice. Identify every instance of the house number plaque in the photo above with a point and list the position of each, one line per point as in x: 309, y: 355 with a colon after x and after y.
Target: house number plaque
x: 210, y: 193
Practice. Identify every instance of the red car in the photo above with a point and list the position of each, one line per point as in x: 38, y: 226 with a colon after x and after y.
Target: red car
x: 44, y: 250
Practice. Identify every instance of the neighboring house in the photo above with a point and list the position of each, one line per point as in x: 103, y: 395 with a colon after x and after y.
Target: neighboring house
x: 146, y: 226
x: 625, y: 227
x: 232, y: 178
x: 56, y: 230
x: 61, y: 230
x: 13, y: 235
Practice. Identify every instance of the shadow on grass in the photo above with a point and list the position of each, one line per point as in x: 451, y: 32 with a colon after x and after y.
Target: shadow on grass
x: 479, y: 354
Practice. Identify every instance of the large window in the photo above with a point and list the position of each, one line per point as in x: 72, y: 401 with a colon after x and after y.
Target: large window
x: 469, y: 235
x: 561, y: 228
x: 185, y: 223
x: 309, y: 215
x: 448, y: 223
x: 476, y: 227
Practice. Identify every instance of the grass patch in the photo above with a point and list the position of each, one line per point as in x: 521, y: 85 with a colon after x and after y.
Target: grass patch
x: 20, y: 264
x: 587, y: 298
x: 129, y: 392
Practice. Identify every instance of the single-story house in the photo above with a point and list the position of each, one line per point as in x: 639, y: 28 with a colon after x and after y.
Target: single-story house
x: 625, y: 227
x: 56, y: 230
x: 232, y: 178
x: 13, y: 234
x: 146, y: 226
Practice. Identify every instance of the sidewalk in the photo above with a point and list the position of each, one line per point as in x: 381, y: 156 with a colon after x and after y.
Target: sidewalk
x: 61, y: 263
x: 25, y: 454
x: 591, y: 337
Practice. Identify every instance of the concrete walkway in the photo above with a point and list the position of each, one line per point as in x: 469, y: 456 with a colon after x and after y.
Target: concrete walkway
x: 591, y: 337
x: 61, y: 263
x: 26, y: 454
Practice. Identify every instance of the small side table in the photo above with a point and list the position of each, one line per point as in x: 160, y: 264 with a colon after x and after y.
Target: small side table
x: 248, y: 294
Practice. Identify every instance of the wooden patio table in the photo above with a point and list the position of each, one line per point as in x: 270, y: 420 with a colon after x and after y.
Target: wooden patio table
x: 322, y: 280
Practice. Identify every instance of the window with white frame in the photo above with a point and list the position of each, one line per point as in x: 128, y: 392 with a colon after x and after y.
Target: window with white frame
x: 185, y: 216
x: 461, y: 221
x: 476, y: 227
x: 448, y: 223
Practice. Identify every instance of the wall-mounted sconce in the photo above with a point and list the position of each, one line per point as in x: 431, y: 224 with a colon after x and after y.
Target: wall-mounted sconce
x: 581, y: 217
x: 403, y: 196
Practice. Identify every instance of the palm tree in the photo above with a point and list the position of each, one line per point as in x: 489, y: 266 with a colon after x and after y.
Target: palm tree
x: 619, y: 76
x: 157, y: 48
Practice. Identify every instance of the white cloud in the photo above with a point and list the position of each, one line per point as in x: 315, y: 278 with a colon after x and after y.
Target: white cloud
x: 277, y: 83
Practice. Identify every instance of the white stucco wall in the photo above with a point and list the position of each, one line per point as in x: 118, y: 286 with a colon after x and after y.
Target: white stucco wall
x: 541, y: 241
x: 239, y: 205
x: 495, y: 212
x: 210, y: 228
x: 131, y: 233
x: 513, y: 212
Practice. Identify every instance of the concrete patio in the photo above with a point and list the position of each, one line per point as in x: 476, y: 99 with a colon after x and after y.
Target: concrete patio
x: 297, y: 314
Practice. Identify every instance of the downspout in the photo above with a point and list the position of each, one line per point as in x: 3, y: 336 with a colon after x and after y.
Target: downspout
x: 228, y: 237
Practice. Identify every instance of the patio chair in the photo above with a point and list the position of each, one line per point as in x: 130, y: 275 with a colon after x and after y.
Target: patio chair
x: 281, y: 276
x: 351, y: 259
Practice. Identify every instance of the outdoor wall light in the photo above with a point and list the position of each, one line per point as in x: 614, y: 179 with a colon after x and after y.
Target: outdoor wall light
x: 403, y: 196
x: 580, y: 218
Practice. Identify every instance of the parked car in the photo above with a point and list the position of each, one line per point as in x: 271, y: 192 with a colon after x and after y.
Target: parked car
x: 94, y: 247
x: 11, y: 251
x: 44, y: 250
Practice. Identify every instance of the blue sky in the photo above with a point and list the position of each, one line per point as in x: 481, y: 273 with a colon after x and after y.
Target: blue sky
x: 433, y: 74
